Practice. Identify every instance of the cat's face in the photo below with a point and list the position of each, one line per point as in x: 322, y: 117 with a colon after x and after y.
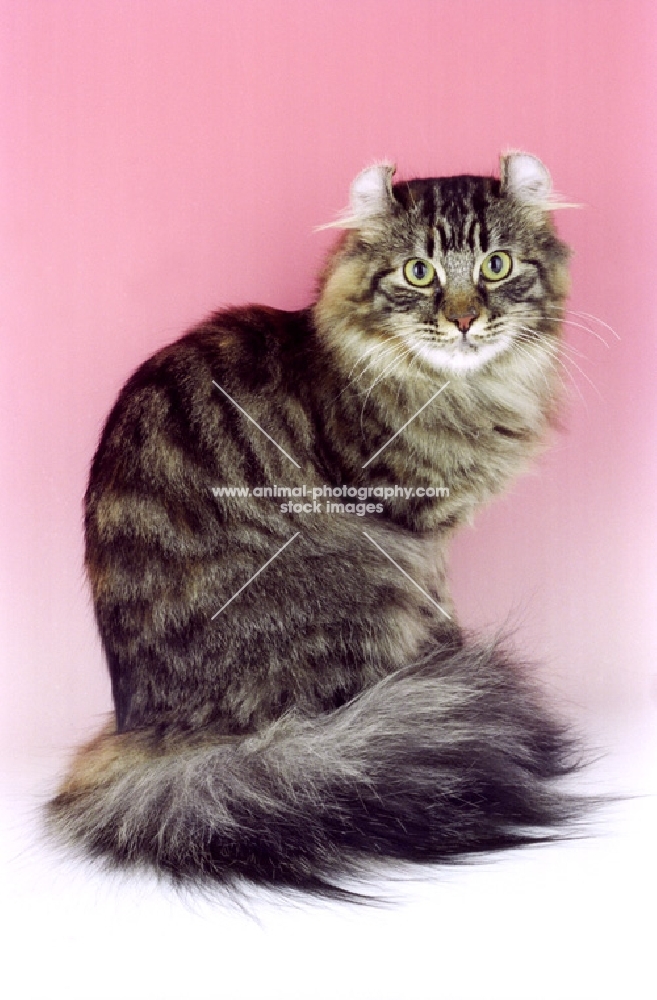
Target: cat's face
x: 449, y: 273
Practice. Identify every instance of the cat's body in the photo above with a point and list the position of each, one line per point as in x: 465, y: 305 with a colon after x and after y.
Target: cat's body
x: 286, y: 723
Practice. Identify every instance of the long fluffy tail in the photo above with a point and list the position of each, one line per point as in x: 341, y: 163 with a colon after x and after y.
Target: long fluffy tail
x: 441, y: 759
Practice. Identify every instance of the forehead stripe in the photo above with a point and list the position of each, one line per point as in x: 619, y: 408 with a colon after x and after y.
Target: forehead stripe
x: 430, y: 243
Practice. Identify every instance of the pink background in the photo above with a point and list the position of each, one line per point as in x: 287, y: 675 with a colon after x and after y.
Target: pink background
x: 162, y: 158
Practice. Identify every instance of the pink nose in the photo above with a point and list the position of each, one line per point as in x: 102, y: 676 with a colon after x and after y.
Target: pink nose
x: 463, y: 314
x: 465, y: 322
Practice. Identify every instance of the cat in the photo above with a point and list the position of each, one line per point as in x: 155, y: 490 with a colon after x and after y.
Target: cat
x: 295, y: 701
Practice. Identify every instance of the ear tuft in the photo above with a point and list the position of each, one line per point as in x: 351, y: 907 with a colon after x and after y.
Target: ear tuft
x: 370, y: 196
x: 371, y: 191
x: 525, y: 179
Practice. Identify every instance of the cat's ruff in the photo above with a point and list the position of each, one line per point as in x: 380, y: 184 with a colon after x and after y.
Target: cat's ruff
x: 330, y: 717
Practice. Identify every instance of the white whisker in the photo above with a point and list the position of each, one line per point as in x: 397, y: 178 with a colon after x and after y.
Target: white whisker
x: 526, y: 353
x: 582, y: 326
x: 377, y: 353
x: 558, y: 345
x: 554, y: 351
x: 596, y: 319
x: 554, y: 357
x: 585, y: 326
x: 396, y: 361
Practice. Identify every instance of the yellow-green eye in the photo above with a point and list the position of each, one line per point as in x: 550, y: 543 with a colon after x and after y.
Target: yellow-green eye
x: 496, y: 266
x: 419, y: 272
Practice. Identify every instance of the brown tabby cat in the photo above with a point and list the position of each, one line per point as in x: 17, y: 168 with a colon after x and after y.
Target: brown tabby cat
x: 294, y: 698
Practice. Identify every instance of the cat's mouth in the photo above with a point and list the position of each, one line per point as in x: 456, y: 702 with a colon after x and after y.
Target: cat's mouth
x: 466, y: 346
x: 462, y: 352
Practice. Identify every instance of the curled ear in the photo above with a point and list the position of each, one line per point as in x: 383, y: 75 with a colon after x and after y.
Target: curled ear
x: 525, y: 179
x: 371, y: 191
x: 370, y: 197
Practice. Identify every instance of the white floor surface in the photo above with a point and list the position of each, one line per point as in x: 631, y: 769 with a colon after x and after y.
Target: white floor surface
x: 570, y: 920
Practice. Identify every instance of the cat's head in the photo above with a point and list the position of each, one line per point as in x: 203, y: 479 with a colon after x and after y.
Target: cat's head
x: 452, y: 274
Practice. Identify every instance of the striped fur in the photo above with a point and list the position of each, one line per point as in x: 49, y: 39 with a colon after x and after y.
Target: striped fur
x: 448, y: 756
x: 332, y: 712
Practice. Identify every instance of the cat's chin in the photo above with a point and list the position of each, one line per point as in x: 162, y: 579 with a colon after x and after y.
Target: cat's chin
x: 461, y: 359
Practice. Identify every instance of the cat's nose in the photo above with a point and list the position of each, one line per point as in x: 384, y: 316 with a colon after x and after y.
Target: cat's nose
x: 463, y: 318
x: 465, y: 322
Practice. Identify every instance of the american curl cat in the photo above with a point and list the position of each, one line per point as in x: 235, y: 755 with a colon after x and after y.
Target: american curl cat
x: 295, y: 702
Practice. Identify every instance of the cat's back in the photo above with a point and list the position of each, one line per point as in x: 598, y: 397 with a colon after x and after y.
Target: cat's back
x: 176, y: 400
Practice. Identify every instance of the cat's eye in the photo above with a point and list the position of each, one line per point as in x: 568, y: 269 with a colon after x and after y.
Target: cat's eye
x: 419, y: 272
x: 496, y: 266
